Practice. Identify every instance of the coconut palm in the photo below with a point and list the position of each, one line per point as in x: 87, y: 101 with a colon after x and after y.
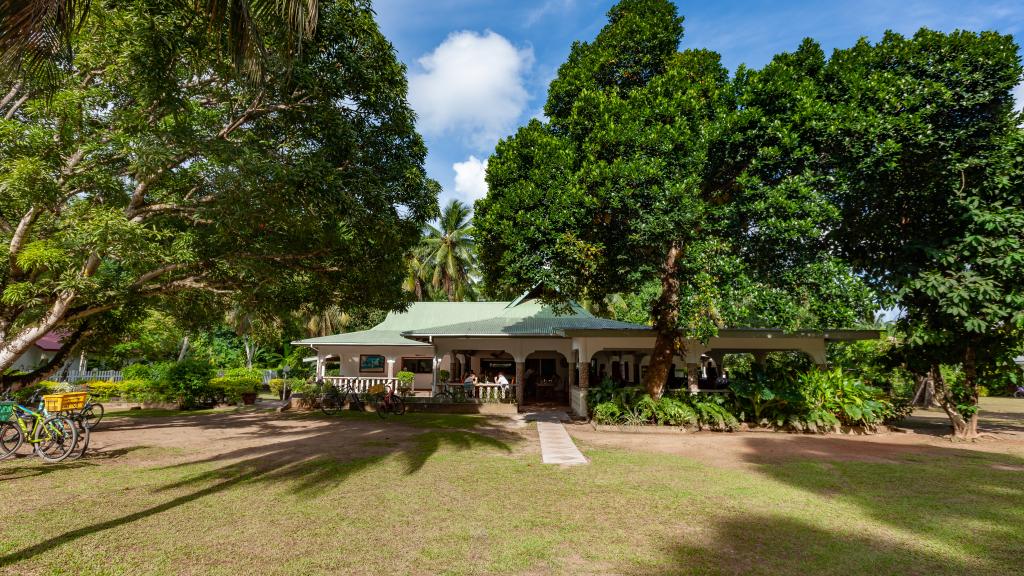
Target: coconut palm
x: 417, y: 276
x: 448, y: 252
x: 36, y: 35
x: 326, y: 321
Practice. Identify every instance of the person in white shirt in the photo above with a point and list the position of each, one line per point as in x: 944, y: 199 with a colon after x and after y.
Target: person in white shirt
x: 502, y: 380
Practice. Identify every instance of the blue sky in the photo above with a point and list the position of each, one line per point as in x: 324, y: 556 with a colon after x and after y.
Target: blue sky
x: 478, y: 69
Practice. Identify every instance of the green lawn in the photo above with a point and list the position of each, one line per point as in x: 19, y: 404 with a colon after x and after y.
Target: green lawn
x: 448, y: 499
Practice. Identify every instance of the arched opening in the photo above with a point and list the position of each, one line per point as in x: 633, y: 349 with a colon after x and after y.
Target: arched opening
x: 546, y: 377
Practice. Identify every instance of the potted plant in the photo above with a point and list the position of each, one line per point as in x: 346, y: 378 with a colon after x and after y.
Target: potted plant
x: 405, y: 382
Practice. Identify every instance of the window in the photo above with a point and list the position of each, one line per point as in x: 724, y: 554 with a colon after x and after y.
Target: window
x: 417, y: 365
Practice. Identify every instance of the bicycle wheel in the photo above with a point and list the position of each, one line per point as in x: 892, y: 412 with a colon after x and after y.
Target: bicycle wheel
x: 379, y: 406
x: 397, y: 406
x: 10, y: 439
x: 83, y: 440
x: 57, y: 439
x: 356, y: 403
x: 92, y: 415
x: 329, y: 402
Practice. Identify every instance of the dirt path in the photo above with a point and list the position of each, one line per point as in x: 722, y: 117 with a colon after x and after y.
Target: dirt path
x: 272, y: 437
x: 1002, y: 422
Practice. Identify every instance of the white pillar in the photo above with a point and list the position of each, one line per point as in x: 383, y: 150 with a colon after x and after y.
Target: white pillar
x: 319, y: 365
x: 391, y: 367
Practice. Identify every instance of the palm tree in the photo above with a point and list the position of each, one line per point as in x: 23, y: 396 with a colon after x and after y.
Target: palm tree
x: 326, y: 321
x: 417, y: 276
x: 448, y: 251
x: 36, y: 35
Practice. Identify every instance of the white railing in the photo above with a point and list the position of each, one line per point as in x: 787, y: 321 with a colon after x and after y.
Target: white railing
x: 91, y: 375
x: 485, y: 391
x: 360, y: 384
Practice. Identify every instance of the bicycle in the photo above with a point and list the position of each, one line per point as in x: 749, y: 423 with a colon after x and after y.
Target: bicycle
x: 91, y: 414
x: 451, y: 393
x: 331, y: 399
x: 53, y: 439
x: 388, y: 401
x: 76, y: 416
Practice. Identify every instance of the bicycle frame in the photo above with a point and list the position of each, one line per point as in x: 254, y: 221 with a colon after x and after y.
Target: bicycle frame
x: 31, y: 436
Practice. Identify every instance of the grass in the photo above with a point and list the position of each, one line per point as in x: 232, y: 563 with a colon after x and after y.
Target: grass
x: 451, y: 500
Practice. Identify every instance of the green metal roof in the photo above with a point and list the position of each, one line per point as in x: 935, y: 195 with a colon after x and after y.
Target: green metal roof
x: 522, y: 317
x: 526, y: 318
x: 372, y: 336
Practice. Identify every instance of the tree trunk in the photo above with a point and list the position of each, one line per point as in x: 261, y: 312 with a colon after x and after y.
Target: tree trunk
x: 962, y: 428
x: 666, y: 325
x: 924, y: 396
x: 184, y: 349
x: 248, y: 351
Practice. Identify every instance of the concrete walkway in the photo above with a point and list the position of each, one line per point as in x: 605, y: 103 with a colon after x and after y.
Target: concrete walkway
x: 556, y: 447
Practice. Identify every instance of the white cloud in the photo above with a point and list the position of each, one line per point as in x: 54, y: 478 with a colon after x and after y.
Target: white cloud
x: 469, y: 178
x: 472, y: 85
x: 1018, y: 96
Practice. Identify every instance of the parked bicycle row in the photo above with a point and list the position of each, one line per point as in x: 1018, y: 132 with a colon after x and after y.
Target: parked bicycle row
x: 331, y: 399
x: 58, y: 428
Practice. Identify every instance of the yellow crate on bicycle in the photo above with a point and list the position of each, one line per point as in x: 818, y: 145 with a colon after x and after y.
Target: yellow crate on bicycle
x: 66, y: 401
x: 376, y: 389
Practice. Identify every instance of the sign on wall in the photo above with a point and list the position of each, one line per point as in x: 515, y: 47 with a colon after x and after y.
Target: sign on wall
x: 371, y: 363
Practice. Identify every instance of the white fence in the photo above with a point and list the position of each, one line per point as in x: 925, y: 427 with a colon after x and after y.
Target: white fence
x: 91, y: 375
x: 360, y: 385
x: 116, y: 376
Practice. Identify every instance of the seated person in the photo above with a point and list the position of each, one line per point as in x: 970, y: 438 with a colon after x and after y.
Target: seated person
x: 502, y: 380
x: 468, y: 383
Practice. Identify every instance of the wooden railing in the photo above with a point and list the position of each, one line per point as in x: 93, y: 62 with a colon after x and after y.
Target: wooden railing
x: 360, y: 384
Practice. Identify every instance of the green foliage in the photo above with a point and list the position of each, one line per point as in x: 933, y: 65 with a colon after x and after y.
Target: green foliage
x: 277, y: 384
x: 443, y: 265
x: 658, y: 175
x: 150, y: 179
x: 104, y: 390
x: 188, y: 382
x: 236, y: 382
x: 406, y: 380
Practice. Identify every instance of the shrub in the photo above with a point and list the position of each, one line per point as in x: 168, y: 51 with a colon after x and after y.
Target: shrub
x: 188, y: 382
x: 104, y: 389
x: 712, y: 413
x: 671, y: 411
x: 442, y: 376
x: 235, y: 382
x: 406, y: 379
x: 277, y: 385
x: 607, y: 413
x: 139, y: 391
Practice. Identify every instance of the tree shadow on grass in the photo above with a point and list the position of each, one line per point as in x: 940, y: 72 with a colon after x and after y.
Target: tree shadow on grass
x: 966, y: 499
x: 772, y: 544
x: 308, y: 460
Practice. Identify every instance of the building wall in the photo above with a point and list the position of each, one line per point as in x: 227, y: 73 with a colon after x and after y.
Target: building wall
x: 31, y: 359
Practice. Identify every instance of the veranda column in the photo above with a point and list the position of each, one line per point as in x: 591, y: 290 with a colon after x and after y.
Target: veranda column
x: 520, y: 381
x: 570, y: 381
x: 391, y: 367
x: 691, y: 377
x: 584, y: 384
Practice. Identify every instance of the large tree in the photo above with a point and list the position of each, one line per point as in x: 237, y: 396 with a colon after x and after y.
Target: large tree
x: 152, y: 173
x: 656, y: 168
x: 926, y: 165
x: 37, y: 37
